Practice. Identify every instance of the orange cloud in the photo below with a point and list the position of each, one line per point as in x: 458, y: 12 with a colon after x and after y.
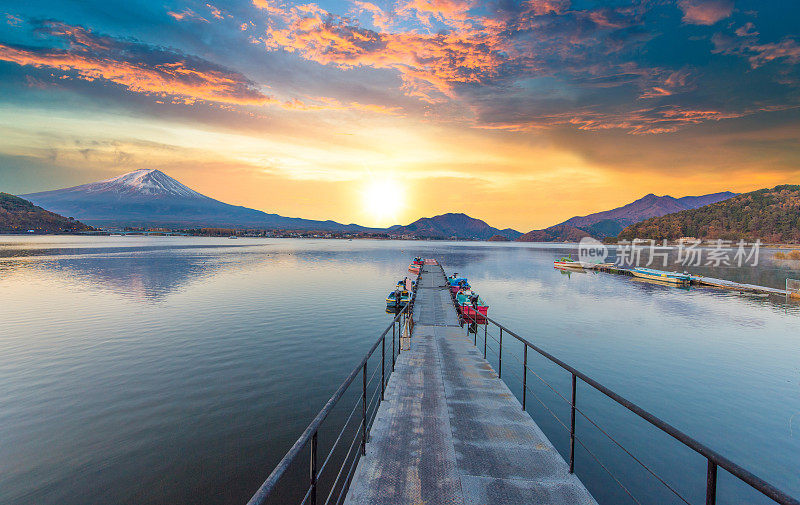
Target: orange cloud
x: 675, y: 82
x: 142, y: 69
x: 215, y: 11
x: 91, y: 57
x: 427, y: 63
x: 186, y: 14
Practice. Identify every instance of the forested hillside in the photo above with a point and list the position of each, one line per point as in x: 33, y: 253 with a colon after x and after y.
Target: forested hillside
x: 18, y: 215
x: 772, y: 215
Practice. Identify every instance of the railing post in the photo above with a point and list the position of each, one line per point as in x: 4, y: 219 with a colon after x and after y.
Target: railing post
x: 500, y: 356
x: 383, y: 364
x: 485, y: 337
x: 393, y: 323
x: 364, y: 410
x: 711, y: 483
x: 572, y: 427
x: 524, y: 374
x: 400, y: 334
x: 313, y: 497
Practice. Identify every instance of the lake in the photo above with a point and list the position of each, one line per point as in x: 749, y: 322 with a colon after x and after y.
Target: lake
x: 169, y: 370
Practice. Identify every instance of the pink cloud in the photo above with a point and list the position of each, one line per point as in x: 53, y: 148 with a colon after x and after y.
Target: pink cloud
x: 705, y: 12
x: 747, y: 30
x: 787, y: 50
x: 757, y: 54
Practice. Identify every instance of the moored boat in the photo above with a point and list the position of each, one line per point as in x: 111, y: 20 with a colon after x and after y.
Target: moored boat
x: 662, y: 275
x: 405, y: 284
x: 397, y: 298
x: 416, y: 265
x: 457, y: 283
x: 462, y: 285
x: 472, y: 307
x: 567, y: 262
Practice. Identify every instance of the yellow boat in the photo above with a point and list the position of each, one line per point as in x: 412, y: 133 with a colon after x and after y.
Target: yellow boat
x: 662, y: 275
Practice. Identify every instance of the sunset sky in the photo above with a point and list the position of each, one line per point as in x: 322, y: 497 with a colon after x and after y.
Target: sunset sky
x: 521, y: 114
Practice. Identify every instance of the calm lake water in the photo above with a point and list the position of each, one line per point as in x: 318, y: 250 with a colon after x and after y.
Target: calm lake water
x: 179, y: 370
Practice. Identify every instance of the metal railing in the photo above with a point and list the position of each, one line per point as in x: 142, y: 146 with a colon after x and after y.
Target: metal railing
x: 310, y: 437
x: 714, y: 459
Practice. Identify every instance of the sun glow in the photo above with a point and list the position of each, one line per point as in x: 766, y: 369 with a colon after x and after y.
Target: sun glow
x: 383, y: 200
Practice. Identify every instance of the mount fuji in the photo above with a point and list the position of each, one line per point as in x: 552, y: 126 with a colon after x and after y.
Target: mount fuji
x: 150, y: 197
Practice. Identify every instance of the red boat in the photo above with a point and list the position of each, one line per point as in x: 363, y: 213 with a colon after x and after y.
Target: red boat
x: 470, y: 315
x: 473, y: 309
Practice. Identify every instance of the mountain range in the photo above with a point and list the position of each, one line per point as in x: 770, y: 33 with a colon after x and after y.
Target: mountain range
x: 610, y: 223
x: 148, y: 198
x: 151, y: 198
x: 772, y: 215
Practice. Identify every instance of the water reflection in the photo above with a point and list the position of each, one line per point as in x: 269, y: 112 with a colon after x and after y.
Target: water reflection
x: 142, y: 276
x: 164, y: 370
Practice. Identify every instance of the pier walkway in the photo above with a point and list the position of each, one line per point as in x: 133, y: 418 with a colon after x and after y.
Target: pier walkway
x: 450, y: 431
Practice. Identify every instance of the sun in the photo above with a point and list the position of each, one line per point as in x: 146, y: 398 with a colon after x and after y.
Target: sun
x: 383, y: 200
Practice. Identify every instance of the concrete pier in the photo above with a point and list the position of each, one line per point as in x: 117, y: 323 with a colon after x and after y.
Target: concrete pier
x: 450, y: 431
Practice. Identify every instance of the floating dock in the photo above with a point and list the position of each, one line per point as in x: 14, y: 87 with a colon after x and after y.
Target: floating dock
x: 450, y: 431
x: 699, y: 280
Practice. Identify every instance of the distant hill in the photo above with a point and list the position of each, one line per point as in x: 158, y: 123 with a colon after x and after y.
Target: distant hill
x: 446, y: 226
x: 146, y: 198
x: 18, y: 216
x: 498, y: 238
x: 610, y: 223
x: 557, y: 233
x: 644, y: 208
x: 772, y: 215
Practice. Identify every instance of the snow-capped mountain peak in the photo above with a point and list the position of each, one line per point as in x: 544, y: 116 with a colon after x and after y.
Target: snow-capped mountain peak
x: 144, y: 182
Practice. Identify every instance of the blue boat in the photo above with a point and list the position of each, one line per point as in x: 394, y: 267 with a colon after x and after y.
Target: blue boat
x: 453, y: 280
x: 662, y: 275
